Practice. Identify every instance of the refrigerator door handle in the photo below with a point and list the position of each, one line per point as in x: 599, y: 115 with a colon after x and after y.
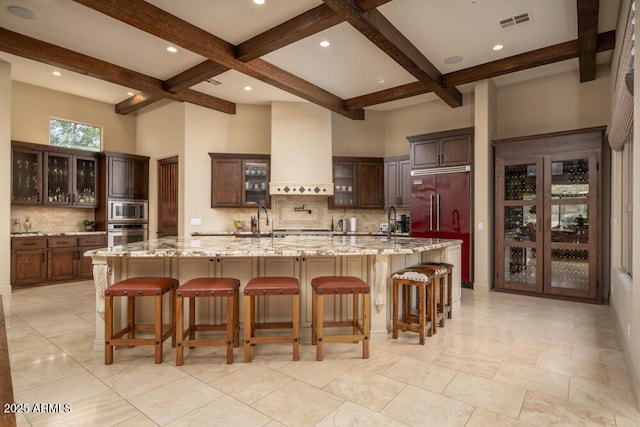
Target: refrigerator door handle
x: 430, y: 212
x: 438, y: 210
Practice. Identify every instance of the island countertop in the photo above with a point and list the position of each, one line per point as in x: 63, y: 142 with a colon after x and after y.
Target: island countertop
x: 230, y: 246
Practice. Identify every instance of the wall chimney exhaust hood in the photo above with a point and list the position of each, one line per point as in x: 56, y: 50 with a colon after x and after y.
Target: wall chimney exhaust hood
x: 301, y: 162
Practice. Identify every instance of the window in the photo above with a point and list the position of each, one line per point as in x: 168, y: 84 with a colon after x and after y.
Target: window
x: 627, y: 206
x: 80, y: 136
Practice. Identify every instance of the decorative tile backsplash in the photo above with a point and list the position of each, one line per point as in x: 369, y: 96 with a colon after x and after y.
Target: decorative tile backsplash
x: 48, y: 219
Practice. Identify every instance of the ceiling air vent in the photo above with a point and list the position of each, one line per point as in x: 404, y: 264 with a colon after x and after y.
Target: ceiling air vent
x: 214, y: 82
x: 515, y: 20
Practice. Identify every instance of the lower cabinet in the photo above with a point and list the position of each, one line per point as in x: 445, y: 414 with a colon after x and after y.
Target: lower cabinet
x: 28, y: 261
x: 40, y: 260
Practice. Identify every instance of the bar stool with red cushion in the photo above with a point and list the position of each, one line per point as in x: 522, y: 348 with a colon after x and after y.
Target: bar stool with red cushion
x: 208, y: 287
x: 271, y: 287
x: 340, y: 285
x: 156, y: 287
x: 443, y: 278
x: 420, y: 319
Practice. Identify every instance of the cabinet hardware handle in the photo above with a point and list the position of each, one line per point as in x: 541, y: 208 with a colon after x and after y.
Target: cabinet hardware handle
x: 438, y: 211
x: 430, y: 212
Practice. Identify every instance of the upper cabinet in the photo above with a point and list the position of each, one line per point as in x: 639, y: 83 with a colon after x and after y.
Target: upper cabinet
x: 239, y: 180
x: 67, y: 176
x: 442, y: 149
x: 26, y: 175
x: 397, y: 181
x: 359, y: 182
x: 127, y: 176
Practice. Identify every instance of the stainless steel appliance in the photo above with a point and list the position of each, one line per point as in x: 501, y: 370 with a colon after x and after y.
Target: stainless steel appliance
x: 127, y: 211
x: 125, y: 233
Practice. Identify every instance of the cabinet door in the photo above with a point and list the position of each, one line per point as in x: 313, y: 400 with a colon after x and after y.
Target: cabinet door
x: 370, y: 184
x: 426, y: 153
x: 391, y: 174
x: 61, y: 264
x: 26, y: 176
x: 118, y: 176
x: 84, y: 181
x: 571, y: 219
x: 256, y: 183
x: 28, y: 266
x: 226, y: 181
x: 455, y: 151
x: 345, y: 181
x: 519, y: 224
x: 58, y: 178
x: 404, y: 183
x: 139, y: 179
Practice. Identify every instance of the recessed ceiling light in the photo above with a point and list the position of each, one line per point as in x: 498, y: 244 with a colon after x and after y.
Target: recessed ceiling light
x: 325, y: 43
x: 248, y: 88
x: 498, y: 47
x: 21, y: 12
x: 172, y: 49
x: 381, y: 80
x: 130, y: 93
x: 258, y: 1
x: 57, y: 73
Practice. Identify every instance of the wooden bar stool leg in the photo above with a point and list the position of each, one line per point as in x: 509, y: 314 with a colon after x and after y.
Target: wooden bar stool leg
x: 449, y: 292
x: 296, y: 327
x: 173, y: 325
x: 431, y: 308
x: 179, y: 330
x: 108, y: 330
x: 314, y: 315
x: 319, y: 326
x: 395, y: 310
x: 236, y: 319
x: 356, y: 315
x: 247, y: 327
x: 422, y: 313
x: 442, y: 307
x: 230, y: 329
x: 131, y: 317
x: 192, y: 319
x: 157, y: 328
x: 366, y: 320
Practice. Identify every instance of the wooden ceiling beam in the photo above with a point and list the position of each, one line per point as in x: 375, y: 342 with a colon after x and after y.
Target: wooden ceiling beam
x: 548, y: 55
x: 155, y: 21
x: 380, y: 31
x: 587, y: 38
x: 37, y: 50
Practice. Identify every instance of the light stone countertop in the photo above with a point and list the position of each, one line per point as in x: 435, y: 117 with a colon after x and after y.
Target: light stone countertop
x: 229, y: 246
x: 59, y: 233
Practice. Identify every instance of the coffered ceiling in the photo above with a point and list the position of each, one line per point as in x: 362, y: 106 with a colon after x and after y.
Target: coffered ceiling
x: 382, y: 54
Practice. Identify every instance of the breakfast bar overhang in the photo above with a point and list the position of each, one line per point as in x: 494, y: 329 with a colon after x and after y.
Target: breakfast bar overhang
x: 371, y: 258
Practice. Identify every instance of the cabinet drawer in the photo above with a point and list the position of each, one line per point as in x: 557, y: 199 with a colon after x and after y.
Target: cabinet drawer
x: 62, y: 242
x: 28, y: 243
x: 92, y: 240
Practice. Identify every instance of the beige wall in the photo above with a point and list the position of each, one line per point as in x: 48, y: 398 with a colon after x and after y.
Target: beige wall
x: 553, y: 103
x: 33, y: 106
x: 423, y: 118
x: 365, y: 138
x: 5, y: 178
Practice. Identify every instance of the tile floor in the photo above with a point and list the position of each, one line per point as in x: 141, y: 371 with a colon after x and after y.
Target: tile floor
x: 503, y: 360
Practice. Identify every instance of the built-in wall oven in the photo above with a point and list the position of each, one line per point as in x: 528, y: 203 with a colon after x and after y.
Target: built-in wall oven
x: 125, y: 233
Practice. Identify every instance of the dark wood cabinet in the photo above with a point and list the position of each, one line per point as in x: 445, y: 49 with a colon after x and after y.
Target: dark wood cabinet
x: 548, y: 214
x: 61, y: 257
x: 239, y: 180
x: 397, y: 181
x: 42, y: 260
x: 442, y: 149
x: 127, y: 176
x: 359, y: 182
x: 84, y: 269
x: 28, y: 261
x: 54, y: 176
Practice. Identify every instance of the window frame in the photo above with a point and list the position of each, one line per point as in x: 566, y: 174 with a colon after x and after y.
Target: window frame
x: 74, y: 146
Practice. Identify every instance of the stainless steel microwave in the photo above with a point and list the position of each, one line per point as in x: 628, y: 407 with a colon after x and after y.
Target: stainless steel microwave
x: 128, y: 210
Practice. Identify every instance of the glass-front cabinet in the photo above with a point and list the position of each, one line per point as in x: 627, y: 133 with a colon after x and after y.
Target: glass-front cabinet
x: 547, y: 211
x: 256, y: 183
x: 70, y: 179
x: 26, y: 176
x: 344, y: 177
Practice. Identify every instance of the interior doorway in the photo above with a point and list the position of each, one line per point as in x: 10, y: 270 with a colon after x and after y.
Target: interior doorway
x: 168, y: 197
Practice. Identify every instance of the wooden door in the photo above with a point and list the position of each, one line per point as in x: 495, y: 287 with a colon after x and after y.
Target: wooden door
x: 168, y: 197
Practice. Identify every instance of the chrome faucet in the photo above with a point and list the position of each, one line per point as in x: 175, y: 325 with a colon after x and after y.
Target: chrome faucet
x: 389, y: 229
x: 262, y: 207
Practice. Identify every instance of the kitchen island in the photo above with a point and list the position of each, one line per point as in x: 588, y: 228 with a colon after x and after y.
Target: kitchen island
x: 370, y: 258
